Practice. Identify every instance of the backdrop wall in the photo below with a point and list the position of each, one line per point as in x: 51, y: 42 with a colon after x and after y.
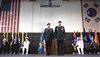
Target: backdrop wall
x: 33, y: 18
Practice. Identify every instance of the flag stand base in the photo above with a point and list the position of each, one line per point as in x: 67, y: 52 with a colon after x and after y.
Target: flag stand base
x: 41, y: 52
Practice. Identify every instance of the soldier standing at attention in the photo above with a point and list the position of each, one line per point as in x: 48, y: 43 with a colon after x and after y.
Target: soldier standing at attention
x: 60, y: 37
x: 48, y: 37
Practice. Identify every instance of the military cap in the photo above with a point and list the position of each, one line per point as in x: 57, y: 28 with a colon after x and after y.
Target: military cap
x: 48, y: 23
x: 59, y: 21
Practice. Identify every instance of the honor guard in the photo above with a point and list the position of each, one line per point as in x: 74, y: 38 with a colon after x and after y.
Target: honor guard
x: 60, y: 37
x: 48, y: 37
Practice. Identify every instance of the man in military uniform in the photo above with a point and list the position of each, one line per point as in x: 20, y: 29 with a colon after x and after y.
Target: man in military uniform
x: 26, y: 45
x: 80, y: 46
x: 48, y: 37
x: 4, y: 46
x: 60, y: 37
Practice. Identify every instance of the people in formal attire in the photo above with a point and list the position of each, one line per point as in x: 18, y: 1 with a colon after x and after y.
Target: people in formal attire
x: 80, y: 46
x: 25, y: 45
x: 4, y: 46
x: 60, y: 37
x: 15, y: 46
x: 48, y: 37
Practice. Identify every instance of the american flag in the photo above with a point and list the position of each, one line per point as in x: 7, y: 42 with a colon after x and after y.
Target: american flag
x: 9, y: 16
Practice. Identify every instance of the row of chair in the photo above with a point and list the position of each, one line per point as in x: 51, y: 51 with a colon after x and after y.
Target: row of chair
x: 93, y: 48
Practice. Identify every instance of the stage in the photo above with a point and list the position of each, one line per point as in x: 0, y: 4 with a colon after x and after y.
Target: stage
x: 65, y: 55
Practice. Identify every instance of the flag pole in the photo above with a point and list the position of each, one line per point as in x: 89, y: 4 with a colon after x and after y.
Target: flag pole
x: 26, y: 34
x: 82, y: 12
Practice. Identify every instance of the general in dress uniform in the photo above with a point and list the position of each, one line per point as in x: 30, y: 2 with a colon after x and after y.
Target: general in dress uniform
x: 48, y: 37
x: 60, y: 37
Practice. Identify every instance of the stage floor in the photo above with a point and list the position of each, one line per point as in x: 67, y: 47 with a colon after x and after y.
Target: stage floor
x: 39, y: 55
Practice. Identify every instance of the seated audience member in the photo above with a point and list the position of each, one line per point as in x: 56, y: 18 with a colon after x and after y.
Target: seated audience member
x: 15, y: 46
x: 80, y: 46
x: 4, y: 46
x: 26, y: 45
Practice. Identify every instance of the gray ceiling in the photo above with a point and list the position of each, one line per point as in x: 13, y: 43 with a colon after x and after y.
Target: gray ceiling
x: 70, y: 0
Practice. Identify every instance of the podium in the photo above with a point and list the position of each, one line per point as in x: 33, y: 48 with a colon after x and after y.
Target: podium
x: 54, y: 47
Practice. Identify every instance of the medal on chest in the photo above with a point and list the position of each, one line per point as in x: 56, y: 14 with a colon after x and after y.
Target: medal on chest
x: 50, y: 30
x: 62, y: 29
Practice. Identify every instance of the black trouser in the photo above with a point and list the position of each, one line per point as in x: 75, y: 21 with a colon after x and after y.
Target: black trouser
x: 60, y: 49
x: 48, y: 46
x: 8, y: 49
x: 15, y: 49
x: 4, y: 49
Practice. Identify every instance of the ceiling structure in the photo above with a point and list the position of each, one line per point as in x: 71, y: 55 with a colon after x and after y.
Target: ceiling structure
x: 57, y: 0
x: 63, y: 0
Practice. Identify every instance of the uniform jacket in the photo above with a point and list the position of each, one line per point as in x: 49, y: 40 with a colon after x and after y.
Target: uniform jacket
x: 26, y: 44
x: 80, y: 44
x: 48, y: 34
x: 4, y: 44
x: 60, y: 32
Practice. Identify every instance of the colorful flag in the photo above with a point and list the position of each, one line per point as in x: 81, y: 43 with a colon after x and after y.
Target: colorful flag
x: 77, y: 34
x: 44, y: 42
x: 42, y: 37
x: 17, y: 41
x: 9, y: 16
x: 89, y: 37
x: 7, y: 36
x: 84, y: 35
x: 96, y: 37
x: 81, y: 36
x: 11, y: 38
x: 74, y: 40
x: 91, y: 32
x: 90, y: 14
x: 40, y: 47
x: 3, y: 36
x: 22, y: 39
